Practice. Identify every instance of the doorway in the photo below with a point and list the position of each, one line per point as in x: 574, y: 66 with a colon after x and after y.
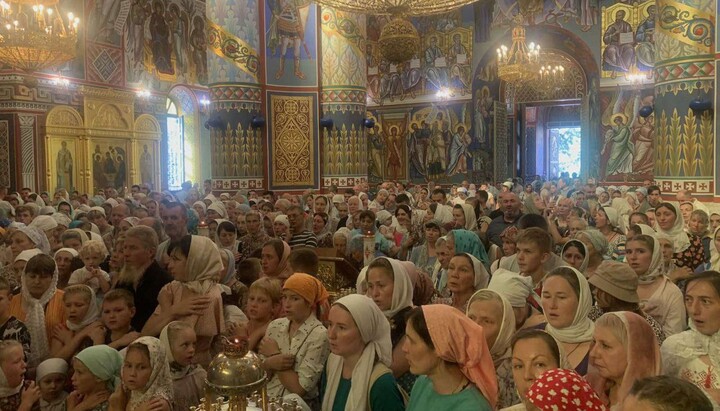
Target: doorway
x: 551, y: 139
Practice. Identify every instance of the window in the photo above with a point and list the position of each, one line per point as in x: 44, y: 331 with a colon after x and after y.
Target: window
x: 564, y: 150
x: 175, y: 147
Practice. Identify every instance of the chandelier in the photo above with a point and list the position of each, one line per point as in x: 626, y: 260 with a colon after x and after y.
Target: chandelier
x: 521, y: 62
x: 399, y: 40
x: 34, y: 36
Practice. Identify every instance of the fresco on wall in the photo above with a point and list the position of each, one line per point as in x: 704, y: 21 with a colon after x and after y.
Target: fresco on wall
x: 556, y: 12
x: 628, y: 39
x: 291, y: 43
x: 627, y: 146
x: 443, y: 60
x: 165, y: 43
x: 110, y: 163
x: 430, y: 143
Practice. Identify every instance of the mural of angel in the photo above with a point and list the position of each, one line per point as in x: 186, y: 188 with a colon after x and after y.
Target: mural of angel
x: 621, y: 147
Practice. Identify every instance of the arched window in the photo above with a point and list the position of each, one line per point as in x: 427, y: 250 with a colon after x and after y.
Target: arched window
x: 175, y: 147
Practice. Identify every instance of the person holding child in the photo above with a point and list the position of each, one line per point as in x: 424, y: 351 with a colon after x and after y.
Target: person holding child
x: 194, y: 296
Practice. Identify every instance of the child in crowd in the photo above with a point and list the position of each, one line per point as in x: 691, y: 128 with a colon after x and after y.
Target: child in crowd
x: 146, y: 381
x: 178, y: 339
x: 118, y: 310
x: 16, y: 392
x: 263, y: 306
x: 668, y: 264
x: 92, y: 253
x: 51, y: 377
x: 117, y: 260
x: 533, y: 246
x: 81, y: 329
x: 10, y: 327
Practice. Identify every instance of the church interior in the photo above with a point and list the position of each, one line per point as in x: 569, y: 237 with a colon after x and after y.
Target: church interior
x: 291, y: 95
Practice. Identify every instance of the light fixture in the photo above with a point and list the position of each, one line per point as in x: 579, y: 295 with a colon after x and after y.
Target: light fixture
x: 35, y: 36
x: 60, y: 82
x: 143, y: 93
x: 552, y: 72
x: 444, y: 94
x: 520, y: 62
x: 203, y: 106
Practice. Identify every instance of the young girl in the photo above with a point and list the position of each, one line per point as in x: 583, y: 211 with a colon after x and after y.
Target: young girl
x: 296, y: 346
x: 262, y: 307
x: 146, y: 381
x: 92, y: 254
x: 16, y: 393
x: 51, y: 376
x: 178, y: 339
x: 81, y: 329
x: 96, y: 374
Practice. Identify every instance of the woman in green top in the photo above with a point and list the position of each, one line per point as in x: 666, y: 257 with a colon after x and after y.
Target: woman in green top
x: 357, y: 376
x: 451, y: 355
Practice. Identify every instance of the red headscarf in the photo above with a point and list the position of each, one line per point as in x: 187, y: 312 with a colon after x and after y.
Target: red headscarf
x: 563, y: 390
x: 459, y: 340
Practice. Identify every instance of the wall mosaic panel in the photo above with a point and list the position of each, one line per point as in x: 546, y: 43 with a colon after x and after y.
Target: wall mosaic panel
x: 343, y: 48
x: 239, y: 17
x: 291, y: 43
x: 292, y: 140
x: 628, y: 38
x: 4, y: 153
x: 104, y: 64
x: 685, y: 144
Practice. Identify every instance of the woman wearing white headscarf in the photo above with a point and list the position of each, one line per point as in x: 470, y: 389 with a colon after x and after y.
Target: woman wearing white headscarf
x: 566, y: 302
x: 659, y: 297
x: 388, y: 283
x: 196, y: 266
x: 688, y: 249
x: 516, y: 289
x: 490, y: 310
x: 357, y: 373
x: 36, y: 236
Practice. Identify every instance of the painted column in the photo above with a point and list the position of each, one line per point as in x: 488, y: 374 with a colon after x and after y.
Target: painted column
x: 290, y: 44
x: 684, y: 70
x: 343, y: 98
x: 28, y: 149
x: 235, y: 78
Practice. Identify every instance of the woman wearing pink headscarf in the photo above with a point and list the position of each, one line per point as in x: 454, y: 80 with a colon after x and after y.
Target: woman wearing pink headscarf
x: 625, y: 350
x: 450, y: 354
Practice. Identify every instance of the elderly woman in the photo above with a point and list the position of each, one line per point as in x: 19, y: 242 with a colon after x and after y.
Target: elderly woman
x: 495, y: 315
x: 693, y: 355
x: 256, y: 236
x: 194, y: 296
x: 466, y: 274
x: 450, y: 355
x: 625, y: 350
x: 357, y: 374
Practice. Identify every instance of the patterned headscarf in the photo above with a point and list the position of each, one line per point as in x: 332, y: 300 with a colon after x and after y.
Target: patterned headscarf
x: 563, y: 390
x: 160, y: 384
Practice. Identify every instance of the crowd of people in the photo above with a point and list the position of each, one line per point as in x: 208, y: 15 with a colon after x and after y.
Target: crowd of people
x: 552, y: 295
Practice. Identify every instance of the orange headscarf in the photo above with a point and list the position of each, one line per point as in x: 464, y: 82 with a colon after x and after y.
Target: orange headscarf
x: 311, y: 289
x: 459, y: 340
